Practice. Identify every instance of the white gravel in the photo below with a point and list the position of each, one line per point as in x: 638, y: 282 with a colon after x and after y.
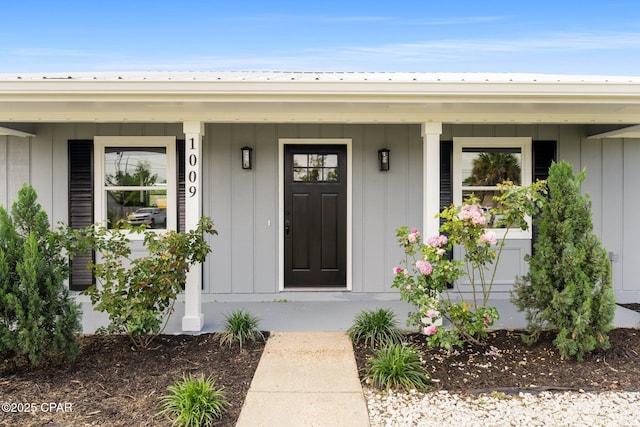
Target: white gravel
x: 497, y: 409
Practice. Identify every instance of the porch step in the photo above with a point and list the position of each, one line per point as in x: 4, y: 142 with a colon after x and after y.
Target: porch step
x: 306, y: 379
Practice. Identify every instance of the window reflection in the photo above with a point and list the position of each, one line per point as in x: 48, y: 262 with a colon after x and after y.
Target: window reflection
x: 136, y: 186
x: 135, y: 208
x: 315, y: 167
x: 139, y: 166
x: 484, y: 168
x: 488, y: 167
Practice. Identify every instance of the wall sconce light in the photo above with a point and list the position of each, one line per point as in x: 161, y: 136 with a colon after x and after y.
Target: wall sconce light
x: 246, y: 157
x: 383, y: 159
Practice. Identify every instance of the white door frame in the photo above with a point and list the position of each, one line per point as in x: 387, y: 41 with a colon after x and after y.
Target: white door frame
x: 313, y: 141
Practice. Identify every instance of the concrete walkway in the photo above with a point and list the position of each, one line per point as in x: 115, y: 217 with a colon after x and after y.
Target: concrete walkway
x: 309, y: 378
x: 306, y: 379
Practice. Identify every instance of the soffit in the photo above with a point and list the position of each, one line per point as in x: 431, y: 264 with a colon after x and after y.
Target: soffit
x: 5, y: 131
x: 626, y: 132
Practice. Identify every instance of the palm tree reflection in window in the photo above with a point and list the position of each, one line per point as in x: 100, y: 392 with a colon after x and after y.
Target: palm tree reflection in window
x: 489, y: 168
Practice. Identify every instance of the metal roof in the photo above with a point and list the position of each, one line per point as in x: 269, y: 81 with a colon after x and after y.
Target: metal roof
x: 349, y: 77
x: 337, y: 97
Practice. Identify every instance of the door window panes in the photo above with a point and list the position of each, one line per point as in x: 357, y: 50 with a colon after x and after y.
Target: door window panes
x: 315, y: 168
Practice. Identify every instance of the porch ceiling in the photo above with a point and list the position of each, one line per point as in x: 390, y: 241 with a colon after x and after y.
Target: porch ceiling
x: 321, y: 97
x: 14, y: 132
x: 625, y: 132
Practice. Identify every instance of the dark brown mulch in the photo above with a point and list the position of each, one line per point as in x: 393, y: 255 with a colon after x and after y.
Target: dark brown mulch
x: 111, y: 384
x: 507, y: 364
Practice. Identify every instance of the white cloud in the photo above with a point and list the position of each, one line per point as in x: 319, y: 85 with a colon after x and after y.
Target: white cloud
x: 553, y: 42
x: 579, y: 53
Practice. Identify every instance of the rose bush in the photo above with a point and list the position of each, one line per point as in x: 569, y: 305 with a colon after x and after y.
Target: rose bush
x: 428, y: 269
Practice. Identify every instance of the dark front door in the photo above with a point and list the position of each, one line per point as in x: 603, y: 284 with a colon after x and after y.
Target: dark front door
x: 315, y: 216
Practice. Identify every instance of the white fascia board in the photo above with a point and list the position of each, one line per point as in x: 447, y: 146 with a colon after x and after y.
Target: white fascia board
x: 69, y: 89
x: 351, y: 102
x: 232, y: 114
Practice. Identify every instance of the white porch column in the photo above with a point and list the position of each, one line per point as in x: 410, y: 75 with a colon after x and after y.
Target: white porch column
x: 193, y: 319
x: 430, y: 178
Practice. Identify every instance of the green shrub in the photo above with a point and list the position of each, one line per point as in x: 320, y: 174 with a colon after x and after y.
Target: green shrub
x: 397, y: 366
x: 240, y: 326
x: 375, y: 327
x: 38, y: 319
x: 139, y: 294
x: 194, y: 402
x: 568, y: 289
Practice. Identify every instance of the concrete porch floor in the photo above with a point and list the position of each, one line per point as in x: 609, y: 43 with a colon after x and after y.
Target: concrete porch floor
x: 339, y: 315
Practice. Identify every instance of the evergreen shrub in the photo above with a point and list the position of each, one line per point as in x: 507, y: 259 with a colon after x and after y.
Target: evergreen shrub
x: 38, y: 319
x: 568, y: 289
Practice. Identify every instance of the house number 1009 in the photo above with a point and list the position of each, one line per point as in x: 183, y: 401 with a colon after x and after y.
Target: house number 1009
x: 192, y: 177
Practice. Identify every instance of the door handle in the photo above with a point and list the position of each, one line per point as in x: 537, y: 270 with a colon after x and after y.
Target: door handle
x: 286, y: 228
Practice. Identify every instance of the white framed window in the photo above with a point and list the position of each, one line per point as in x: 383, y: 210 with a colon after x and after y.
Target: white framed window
x: 480, y: 163
x: 135, y: 181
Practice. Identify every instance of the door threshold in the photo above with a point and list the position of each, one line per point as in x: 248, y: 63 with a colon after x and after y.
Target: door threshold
x: 315, y: 288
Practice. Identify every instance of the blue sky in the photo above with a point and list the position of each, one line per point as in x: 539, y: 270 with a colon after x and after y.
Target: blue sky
x: 554, y: 37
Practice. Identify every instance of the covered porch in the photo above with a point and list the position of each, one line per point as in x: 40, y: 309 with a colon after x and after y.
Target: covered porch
x: 593, y: 120
x: 335, y: 315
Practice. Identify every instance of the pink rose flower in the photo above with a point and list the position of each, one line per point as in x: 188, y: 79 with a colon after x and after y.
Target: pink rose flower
x: 437, y: 241
x: 430, y: 330
x: 397, y: 270
x: 479, y: 220
x: 474, y: 213
x: 432, y: 313
x: 424, y: 267
x: 464, y: 215
x: 489, y: 237
x: 415, y: 230
x: 486, y: 320
x: 412, y: 238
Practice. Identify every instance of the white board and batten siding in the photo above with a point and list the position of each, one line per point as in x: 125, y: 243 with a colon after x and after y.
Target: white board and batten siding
x: 15, y: 153
x: 244, y: 204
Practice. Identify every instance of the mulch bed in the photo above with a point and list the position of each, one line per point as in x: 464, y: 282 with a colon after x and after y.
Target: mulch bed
x: 111, y: 384
x: 506, y: 364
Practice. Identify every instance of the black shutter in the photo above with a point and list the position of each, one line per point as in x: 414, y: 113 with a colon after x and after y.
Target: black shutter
x: 544, y: 153
x: 80, y: 155
x: 446, y: 182
x: 446, y: 174
x: 181, y: 184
